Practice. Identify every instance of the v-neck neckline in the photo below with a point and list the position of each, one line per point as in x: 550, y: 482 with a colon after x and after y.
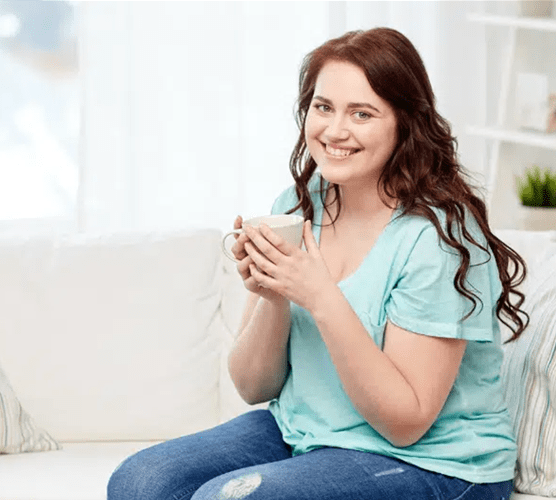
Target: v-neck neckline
x: 318, y: 228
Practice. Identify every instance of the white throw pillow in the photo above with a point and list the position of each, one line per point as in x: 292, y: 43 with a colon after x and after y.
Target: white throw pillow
x: 18, y: 432
x: 529, y: 374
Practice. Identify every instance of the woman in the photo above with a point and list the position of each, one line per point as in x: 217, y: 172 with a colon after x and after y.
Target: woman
x: 380, y: 386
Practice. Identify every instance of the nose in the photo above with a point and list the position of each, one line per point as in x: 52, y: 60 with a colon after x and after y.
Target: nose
x: 337, y: 130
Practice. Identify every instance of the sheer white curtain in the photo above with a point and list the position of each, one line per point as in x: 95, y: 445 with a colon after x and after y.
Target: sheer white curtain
x: 188, y: 106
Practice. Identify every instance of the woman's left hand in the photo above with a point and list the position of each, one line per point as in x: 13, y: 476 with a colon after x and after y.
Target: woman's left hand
x: 301, y: 277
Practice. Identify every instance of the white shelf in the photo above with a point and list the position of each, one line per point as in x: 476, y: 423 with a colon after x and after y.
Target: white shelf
x: 538, y: 139
x: 532, y: 23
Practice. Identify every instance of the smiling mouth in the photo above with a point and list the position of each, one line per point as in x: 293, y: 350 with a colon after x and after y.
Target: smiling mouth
x: 339, y: 153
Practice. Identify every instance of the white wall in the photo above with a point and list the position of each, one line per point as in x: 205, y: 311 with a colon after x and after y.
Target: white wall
x: 188, y: 106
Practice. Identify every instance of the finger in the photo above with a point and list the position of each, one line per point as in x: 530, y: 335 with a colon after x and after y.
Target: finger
x: 243, y: 268
x: 238, y: 248
x: 309, y: 238
x: 272, y: 245
x: 260, y: 260
x: 261, y: 279
x: 237, y: 225
x: 284, y: 246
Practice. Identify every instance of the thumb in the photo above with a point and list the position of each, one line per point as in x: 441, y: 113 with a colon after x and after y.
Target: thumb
x: 308, y: 237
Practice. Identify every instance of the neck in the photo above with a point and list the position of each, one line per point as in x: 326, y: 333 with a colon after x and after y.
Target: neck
x: 361, y: 204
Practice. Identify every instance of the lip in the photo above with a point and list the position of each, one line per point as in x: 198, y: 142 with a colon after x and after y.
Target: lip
x: 338, y: 158
x: 337, y: 146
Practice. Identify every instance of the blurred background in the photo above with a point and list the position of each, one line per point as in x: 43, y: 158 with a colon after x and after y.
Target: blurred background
x: 163, y: 115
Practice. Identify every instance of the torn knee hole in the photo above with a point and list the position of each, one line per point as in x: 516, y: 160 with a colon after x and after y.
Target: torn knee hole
x: 240, y: 487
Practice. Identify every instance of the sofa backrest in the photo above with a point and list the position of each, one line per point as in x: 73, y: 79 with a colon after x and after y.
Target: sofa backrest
x: 536, y: 247
x: 125, y: 337
x: 114, y: 338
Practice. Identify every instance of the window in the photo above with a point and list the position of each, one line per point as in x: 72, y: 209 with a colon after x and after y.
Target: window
x: 39, y: 112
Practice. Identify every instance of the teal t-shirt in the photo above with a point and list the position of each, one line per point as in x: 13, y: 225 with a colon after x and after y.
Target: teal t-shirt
x: 407, y: 277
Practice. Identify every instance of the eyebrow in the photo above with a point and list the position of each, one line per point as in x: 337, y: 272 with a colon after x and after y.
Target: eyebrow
x: 350, y: 105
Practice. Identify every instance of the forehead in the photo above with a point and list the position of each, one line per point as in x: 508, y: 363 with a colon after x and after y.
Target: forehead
x: 343, y: 81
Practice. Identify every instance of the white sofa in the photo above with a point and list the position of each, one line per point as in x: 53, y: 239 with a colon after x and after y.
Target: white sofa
x: 114, y: 343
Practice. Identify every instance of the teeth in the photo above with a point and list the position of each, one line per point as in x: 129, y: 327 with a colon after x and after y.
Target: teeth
x: 339, y: 152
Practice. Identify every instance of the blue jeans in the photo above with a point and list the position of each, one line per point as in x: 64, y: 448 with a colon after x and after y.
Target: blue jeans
x: 247, y: 458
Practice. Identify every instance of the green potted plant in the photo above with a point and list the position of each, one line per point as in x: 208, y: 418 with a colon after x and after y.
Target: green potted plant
x: 537, y: 196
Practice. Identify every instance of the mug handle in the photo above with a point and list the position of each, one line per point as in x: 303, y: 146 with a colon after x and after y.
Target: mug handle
x: 227, y: 253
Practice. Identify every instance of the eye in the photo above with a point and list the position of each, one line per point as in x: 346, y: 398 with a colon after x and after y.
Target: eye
x: 320, y: 106
x: 363, y: 115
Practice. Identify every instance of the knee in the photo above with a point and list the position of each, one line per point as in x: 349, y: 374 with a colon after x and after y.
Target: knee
x: 138, y: 477
x: 231, y: 486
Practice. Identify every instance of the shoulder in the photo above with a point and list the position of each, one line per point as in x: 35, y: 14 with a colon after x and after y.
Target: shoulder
x: 417, y: 247
x: 417, y: 229
x: 424, y: 296
x: 288, y: 198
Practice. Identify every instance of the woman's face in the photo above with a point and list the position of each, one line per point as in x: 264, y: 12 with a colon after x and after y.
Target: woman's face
x: 350, y: 131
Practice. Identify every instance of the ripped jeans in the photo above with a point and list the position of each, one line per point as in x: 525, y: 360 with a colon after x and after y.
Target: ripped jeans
x: 247, y: 458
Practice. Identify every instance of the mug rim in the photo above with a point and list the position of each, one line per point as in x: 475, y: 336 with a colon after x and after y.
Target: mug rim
x: 297, y: 219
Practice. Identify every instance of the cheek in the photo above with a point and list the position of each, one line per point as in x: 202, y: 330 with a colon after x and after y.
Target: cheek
x: 313, y: 127
x: 393, y: 137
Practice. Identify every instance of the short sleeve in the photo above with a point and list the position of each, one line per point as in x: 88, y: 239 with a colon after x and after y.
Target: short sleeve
x: 288, y: 198
x: 424, y: 299
x: 285, y: 201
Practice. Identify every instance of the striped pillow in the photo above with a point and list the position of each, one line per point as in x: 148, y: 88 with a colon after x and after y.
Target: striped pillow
x: 18, y: 432
x: 529, y: 376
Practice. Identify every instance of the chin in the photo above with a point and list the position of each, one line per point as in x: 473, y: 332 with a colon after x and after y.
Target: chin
x: 347, y: 176
x: 332, y: 177
x: 339, y: 170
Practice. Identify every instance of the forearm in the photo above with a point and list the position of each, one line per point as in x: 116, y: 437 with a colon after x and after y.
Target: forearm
x: 258, y: 361
x: 374, y: 385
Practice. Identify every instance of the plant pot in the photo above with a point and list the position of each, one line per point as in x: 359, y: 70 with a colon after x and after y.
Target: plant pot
x: 536, y: 8
x: 537, y: 218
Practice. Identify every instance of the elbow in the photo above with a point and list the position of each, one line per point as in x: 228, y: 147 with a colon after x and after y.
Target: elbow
x: 241, y: 387
x: 405, y: 440
x: 256, y: 400
x: 246, y: 393
x: 403, y: 434
x: 254, y: 394
x: 253, y: 398
x: 251, y: 390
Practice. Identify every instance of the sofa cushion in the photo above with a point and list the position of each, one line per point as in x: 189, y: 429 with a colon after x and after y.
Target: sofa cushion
x: 529, y: 374
x: 522, y: 496
x: 18, y: 432
x: 109, y: 338
x: 78, y: 472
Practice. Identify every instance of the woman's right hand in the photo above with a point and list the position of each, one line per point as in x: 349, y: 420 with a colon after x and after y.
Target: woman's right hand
x: 239, y: 252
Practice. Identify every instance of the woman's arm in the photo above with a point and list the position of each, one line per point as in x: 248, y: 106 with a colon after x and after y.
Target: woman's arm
x: 258, y: 361
x: 399, y: 390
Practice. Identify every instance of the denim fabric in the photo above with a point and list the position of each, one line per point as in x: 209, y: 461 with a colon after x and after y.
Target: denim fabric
x: 247, y: 458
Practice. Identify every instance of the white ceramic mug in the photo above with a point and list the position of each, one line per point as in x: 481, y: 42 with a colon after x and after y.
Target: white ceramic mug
x: 288, y: 226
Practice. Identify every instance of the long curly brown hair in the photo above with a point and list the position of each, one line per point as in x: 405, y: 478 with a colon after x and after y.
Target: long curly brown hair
x: 423, y: 169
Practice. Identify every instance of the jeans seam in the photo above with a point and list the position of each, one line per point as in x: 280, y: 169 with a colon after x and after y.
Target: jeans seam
x: 460, y: 496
